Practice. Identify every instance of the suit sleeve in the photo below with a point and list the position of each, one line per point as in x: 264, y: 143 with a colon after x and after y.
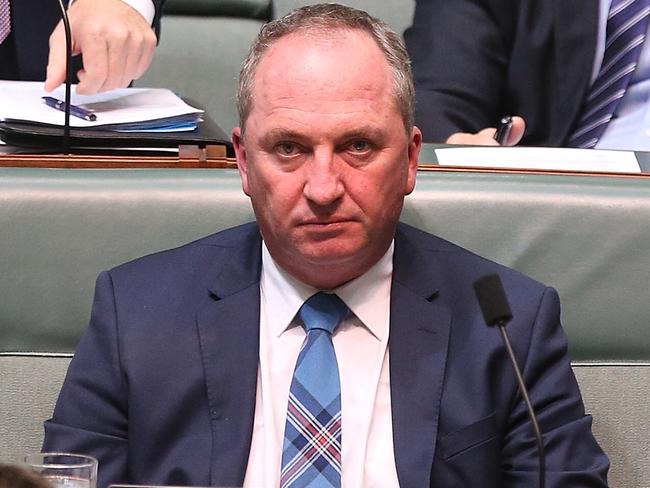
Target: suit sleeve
x: 91, y: 418
x: 573, y: 457
x: 459, y: 50
x: 158, y: 4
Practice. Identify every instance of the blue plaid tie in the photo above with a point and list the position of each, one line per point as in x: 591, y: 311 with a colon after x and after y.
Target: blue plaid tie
x: 311, y: 455
x: 627, y: 25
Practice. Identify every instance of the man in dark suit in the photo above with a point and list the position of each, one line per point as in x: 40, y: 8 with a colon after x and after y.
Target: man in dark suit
x: 475, y: 61
x: 183, y: 376
x: 116, y: 41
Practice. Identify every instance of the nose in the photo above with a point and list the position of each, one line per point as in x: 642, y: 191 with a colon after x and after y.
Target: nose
x: 323, y: 185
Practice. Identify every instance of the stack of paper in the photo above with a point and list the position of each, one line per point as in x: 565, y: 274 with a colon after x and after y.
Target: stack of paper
x: 123, y: 110
x: 540, y: 158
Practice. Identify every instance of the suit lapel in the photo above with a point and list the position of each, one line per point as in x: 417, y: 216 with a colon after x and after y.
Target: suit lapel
x: 419, y: 336
x: 228, y: 327
x: 576, y: 28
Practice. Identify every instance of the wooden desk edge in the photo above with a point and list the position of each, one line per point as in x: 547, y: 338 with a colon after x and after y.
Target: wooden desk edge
x: 215, y: 157
x: 187, y: 157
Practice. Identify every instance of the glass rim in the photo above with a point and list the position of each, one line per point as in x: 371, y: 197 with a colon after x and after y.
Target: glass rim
x: 38, y: 460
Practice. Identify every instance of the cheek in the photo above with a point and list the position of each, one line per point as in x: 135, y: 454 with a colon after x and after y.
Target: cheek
x: 379, y: 196
x: 275, y: 200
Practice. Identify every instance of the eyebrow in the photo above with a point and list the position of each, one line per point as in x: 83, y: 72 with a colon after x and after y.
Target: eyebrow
x: 364, y: 132
x: 281, y: 134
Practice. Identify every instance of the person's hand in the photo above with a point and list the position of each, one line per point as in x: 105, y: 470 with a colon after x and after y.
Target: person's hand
x: 116, y: 42
x: 486, y: 136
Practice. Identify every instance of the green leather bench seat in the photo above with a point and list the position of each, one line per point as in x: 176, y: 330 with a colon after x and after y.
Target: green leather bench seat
x: 587, y: 236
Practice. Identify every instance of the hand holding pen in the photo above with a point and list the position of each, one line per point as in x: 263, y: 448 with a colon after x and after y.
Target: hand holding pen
x: 502, y: 134
x: 508, y: 132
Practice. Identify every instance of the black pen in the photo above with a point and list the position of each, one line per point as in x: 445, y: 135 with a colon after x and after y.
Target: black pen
x: 79, y: 112
x: 503, y: 130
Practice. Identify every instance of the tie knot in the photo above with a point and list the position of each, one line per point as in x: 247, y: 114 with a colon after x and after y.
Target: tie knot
x: 323, y: 311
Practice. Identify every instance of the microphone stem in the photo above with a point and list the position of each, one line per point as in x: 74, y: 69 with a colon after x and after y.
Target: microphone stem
x: 68, y: 77
x: 529, y: 406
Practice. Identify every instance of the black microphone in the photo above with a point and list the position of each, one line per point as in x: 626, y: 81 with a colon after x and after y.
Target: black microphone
x: 68, y: 77
x: 496, y: 311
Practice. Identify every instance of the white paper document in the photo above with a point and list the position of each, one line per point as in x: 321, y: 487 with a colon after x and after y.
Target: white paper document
x: 541, y: 158
x: 129, y: 107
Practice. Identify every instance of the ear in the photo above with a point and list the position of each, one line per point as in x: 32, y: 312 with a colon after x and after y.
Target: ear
x: 240, y: 153
x: 415, y: 144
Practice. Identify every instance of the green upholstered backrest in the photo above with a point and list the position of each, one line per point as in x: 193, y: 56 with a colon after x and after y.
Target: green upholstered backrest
x: 587, y: 236
x: 396, y: 13
x: 61, y: 227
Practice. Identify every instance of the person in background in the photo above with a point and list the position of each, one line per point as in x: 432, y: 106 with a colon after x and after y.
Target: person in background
x: 12, y: 476
x: 575, y: 72
x: 326, y: 344
x: 115, y: 38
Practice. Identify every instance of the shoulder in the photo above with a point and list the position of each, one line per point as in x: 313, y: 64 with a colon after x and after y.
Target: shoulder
x: 439, y: 249
x: 458, y: 268
x: 193, y: 260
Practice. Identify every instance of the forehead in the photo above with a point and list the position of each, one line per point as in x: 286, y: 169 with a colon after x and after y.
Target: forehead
x: 318, y: 70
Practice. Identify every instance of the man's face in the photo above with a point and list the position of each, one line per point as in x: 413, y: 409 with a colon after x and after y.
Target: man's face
x: 325, y: 157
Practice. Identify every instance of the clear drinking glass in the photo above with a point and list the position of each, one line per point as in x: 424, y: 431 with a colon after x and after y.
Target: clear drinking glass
x: 63, y: 470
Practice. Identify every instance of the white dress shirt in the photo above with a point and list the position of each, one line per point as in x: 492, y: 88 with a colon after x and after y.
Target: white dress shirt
x: 361, y: 345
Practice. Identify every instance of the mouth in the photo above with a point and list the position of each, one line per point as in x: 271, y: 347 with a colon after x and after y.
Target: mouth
x: 325, y: 225
x: 327, y: 221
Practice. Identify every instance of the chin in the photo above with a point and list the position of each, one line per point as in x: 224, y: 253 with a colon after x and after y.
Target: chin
x: 326, y: 265
x: 333, y: 256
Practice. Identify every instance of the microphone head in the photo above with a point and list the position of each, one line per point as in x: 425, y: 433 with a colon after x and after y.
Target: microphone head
x: 492, y: 300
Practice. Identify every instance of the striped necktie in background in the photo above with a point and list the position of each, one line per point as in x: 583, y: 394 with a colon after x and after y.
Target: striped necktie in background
x: 311, y: 455
x: 627, y: 25
x: 5, y: 20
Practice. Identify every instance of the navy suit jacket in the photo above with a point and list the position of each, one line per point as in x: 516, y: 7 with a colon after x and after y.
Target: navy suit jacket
x: 475, y: 61
x: 32, y: 22
x: 162, y: 386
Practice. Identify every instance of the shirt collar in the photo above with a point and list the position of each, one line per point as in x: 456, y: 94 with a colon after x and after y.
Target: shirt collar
x: 367, y: 296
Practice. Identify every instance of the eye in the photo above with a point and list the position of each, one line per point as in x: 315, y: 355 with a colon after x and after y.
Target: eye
x: 287, y: 149
x: 359, y: 146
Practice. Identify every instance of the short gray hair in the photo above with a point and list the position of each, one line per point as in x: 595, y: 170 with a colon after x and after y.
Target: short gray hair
x: 321, y: 18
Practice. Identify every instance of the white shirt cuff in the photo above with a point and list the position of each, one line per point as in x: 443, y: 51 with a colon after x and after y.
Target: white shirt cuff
x: 145, y: 7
